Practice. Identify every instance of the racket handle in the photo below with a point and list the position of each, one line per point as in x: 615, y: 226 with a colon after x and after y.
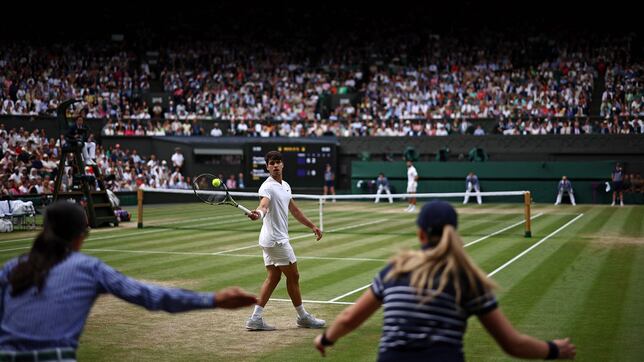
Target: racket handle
x: 245, y: 210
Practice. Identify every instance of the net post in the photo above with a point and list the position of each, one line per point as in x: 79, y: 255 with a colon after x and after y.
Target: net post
x: 321, y: 211
x: 527, y: 201
x: 139, y: 203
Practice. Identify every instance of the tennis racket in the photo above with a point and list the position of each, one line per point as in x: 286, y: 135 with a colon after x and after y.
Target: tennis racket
x: 214, y: 195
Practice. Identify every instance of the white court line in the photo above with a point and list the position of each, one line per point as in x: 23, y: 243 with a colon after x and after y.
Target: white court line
x: 305, y: 236
x: 312, y: 301
x: 12, y: 249
x: 534, y: 246
x: 500, y: 231
x: 351, y: 292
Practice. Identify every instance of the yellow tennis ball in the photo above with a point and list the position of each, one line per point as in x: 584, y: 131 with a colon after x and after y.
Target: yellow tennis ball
x: 216, y: 182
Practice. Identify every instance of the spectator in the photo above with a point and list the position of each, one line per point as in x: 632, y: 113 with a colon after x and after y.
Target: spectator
x: 479, y: 131
x: 177, y: 158
x: 231, y: 183
x: 216, y: 131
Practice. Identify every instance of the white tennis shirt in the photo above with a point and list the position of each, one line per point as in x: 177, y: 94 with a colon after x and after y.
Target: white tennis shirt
x: 275, y: 224
x: 411, y: 175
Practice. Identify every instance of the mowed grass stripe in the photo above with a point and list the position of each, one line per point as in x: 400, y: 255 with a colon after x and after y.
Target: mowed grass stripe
x: 148, y: 263
x: 603, y: 310
x: 631, y: 325
x: 532, y: 284
x: 345, y: 243
x: 540, y: 300
x: 633, y: 225
x: 182, y: 241
x: 201, y: 242
x: 324, y: 281
x: 500, y: 248
x: 172, y: 267
x: 542, y: 268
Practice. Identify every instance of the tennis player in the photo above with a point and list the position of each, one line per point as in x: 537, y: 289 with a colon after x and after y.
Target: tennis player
x: 412, y: 185
x: 279, y: 258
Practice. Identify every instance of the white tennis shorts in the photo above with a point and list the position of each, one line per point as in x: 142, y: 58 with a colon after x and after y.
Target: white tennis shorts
x: 280, y: 254
x: 412, y: 186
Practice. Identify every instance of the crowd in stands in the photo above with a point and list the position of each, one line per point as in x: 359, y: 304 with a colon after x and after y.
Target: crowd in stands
x: 29, y: 162
x: 445, y: 78
x: 357, y: 128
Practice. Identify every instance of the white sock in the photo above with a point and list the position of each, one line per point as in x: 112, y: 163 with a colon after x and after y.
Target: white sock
x: 301, y: 312
x: 257, y: 313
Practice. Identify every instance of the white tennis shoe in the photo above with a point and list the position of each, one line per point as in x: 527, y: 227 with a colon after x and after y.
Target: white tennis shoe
x: 258, y: 324
x: 309, y: 321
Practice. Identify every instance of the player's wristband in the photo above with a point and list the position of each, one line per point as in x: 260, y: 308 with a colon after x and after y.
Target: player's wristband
x: 261, y: 214
x: 553, y: 350
x: 325, y: 341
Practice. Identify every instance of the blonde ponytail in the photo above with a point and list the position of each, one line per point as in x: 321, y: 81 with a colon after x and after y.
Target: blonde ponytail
x: 449, y: 259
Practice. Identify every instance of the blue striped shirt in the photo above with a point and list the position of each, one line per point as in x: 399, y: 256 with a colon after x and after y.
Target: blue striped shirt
x: 55, y: 317
x: 438, y: 323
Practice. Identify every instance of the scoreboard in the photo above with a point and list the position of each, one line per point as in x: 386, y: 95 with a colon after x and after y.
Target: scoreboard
x: 304, y: 163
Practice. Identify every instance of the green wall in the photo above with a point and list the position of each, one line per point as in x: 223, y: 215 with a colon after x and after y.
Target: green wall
x: 541, y: 178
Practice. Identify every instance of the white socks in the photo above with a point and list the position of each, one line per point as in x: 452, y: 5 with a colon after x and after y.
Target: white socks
x: 301, y: 312
x: 257, y: 313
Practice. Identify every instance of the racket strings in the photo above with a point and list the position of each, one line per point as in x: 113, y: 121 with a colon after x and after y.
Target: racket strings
x: 207, y: 192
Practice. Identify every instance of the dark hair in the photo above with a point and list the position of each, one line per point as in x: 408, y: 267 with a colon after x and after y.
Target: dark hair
x: 272, y: 155
x: 63, y: 222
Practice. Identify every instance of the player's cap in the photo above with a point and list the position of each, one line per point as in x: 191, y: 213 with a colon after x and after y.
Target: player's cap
x: 436, y: 214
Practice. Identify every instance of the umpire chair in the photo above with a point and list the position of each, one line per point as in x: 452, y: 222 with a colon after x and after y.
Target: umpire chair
x: 88, y: 188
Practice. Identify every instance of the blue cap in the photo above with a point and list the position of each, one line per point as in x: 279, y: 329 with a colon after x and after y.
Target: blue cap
x: 436, y: 214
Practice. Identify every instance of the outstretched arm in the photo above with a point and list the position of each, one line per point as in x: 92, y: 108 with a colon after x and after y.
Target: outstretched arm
x: 522, y: 345
x: 299, y: 216
x: 350, y: 319
x: 172, y: 300
x: 261, y: 210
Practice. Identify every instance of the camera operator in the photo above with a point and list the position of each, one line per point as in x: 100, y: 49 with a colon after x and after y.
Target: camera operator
x: 77, y: 135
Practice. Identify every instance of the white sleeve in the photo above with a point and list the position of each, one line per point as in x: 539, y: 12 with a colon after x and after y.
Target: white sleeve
x: 264, y: 191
